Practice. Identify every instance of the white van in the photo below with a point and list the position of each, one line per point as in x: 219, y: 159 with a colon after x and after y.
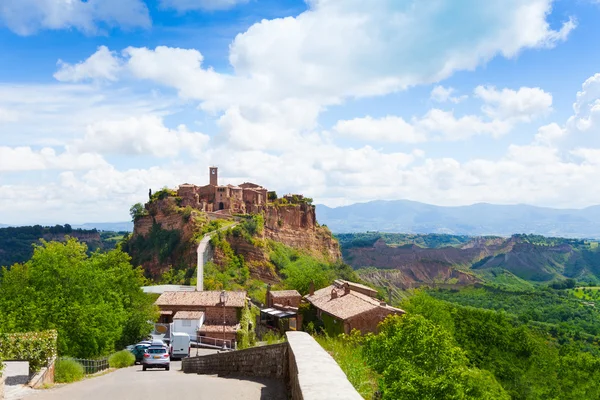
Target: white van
x: 180, y: 345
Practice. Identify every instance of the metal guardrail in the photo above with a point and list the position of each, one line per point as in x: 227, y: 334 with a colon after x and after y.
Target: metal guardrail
x: 214, y: 342
x: 90, y: 366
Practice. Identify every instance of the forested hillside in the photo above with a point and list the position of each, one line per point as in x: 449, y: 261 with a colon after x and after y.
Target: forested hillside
x: 16, y: 243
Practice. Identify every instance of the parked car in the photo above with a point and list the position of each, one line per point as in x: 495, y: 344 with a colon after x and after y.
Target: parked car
x: 156, y: 357
x: 138, y: 351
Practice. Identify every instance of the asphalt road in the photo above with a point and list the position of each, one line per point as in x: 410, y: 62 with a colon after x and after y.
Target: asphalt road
x: 132, y: 384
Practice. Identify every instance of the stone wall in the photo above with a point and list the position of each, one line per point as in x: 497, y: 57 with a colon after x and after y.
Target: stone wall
x: 266, y: 362
x: 309, y: 371
x: 214, y: 315
x: 367, y: 321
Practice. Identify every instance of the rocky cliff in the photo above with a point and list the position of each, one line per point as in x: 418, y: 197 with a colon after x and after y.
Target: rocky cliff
x: 166, y: 237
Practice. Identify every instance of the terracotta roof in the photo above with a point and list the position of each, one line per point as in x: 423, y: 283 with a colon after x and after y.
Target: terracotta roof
x: 188, y: 315
x: 340, y: 282
x: 285, y: 293
x: 218, y: 328
x: 345, y: 306
x: 209, y: 298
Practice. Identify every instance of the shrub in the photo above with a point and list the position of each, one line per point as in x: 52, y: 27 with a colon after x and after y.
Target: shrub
x: 35, y: 347
x: 272, y: 337
x: 121, y: 359
x: 67, y: 371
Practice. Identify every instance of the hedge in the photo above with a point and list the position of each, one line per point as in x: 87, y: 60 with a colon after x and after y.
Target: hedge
x: 35, y: 347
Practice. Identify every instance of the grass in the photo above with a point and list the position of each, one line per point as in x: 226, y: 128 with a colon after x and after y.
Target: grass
x: 349, y: 358
x: 273, y: 338
x: 67, y: 371
x: 586, y: 293
x: 121, y: 359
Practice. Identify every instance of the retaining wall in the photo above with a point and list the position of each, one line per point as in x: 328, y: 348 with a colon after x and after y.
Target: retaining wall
x: 308, y: 370
x: 266, y: 362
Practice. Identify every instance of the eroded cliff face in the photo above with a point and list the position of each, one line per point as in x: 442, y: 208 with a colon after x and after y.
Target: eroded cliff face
x: 293, y: 225
x: 296, y: 226
x: 164, y: 239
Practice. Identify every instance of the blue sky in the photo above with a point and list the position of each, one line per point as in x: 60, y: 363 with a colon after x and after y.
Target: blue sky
x: 445, y: 102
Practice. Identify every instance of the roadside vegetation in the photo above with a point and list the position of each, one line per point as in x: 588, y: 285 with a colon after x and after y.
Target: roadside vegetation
x: 95, y: 302
x: 67, y: 371
x: 121, y: 359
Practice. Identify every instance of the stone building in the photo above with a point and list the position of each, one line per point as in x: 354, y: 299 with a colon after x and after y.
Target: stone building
x: 281, y: 312
x: 220, y: 320
x: 245, y: 198
x: 283, y: 297
x: 345, y: 305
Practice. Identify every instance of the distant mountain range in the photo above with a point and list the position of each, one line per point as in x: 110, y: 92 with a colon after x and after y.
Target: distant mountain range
x: 474, y: 220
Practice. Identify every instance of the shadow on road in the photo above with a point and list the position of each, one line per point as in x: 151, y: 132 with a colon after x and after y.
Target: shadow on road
x: 272, y: 389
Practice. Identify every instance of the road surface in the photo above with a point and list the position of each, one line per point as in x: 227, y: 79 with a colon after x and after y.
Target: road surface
x: 132, y: 384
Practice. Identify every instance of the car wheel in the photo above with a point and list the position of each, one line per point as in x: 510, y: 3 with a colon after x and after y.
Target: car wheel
x: 167, y: 368
x: 143, y: 367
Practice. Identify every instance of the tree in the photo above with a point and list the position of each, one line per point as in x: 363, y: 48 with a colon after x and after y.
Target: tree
x: 137, y: 211
x: 95, y: 303
x: 418, y: 359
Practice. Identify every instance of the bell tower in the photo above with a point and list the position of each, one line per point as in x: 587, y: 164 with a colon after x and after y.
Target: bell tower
x: 213, y: 173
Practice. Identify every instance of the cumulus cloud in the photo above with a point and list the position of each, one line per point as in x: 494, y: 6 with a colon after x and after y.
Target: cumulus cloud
x: 334, y: 51
x: 188, y: 5
x: 523, y: 105
x: 442, y: 94
x: 145, y: 135
x: 102, y: 65
x: 386, y: 129
x: 26, y: 17
x: 26, y: 159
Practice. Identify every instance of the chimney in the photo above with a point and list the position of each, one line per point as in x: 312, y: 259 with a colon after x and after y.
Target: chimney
x: 333, y: 294
x: 311, y: 288
x: 346, y: 288
x: 269, y: 295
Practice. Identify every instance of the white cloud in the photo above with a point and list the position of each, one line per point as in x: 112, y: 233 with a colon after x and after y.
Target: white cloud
x: 386, y: 129
x: 26, y: 159
x: 7, y: 115
x: 187, y: 5
x: 441, y: 94
x: 523, y: 105
x: 332, y: 52
x: 55, y: 114
x: 26, y: 17
x: 101, y: 65
x: 549, y: 134
x: 145, y: 135
x: 436, y: 124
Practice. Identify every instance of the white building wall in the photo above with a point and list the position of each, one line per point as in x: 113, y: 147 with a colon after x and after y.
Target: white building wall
x: 189, y: 326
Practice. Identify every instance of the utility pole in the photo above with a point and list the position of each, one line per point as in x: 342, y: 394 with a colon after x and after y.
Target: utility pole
x: 223, y: 299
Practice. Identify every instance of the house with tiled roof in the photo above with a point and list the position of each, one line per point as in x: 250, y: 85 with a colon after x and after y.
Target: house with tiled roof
x: 215, y: 318
x: 345, y: 306
x: 281, y: 312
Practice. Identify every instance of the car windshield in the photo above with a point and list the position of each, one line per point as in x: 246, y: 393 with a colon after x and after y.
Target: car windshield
x: 157, y: 350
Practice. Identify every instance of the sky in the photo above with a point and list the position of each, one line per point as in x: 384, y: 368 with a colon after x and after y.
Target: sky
x: 448, y: 102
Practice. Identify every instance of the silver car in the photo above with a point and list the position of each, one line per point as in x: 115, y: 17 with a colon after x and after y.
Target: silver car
x: 156, y: 357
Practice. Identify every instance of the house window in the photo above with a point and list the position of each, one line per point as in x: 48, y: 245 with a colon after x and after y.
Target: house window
x: 186, y: 322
